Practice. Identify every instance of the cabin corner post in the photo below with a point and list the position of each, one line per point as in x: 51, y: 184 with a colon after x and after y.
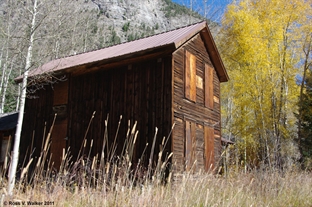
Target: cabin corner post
x: 60, y: 109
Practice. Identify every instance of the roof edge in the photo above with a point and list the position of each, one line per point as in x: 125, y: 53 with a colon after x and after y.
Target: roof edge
x: 183, y: 39
x: 141, y: 46
x: 214, y: 54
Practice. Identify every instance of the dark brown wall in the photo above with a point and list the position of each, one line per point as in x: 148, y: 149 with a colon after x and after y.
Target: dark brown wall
x: 139, y: 92
x: 37, y: 121
x: 196, y: 113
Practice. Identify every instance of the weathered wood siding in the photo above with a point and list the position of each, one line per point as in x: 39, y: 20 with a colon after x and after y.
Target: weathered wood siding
x: 37, y: 121
x: 200, y: 111
x: 138, y: 92
x: 183, y: 88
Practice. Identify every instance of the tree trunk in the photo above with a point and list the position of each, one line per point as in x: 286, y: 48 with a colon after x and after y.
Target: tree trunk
x: 15, y: 153
x: 306, y: 50
x: 4, y: 89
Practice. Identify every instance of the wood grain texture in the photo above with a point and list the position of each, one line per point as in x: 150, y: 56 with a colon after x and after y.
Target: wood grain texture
x: 209, y: 92
x: 209, y: 149
x: 140, y: 92
x: 204, y: 112
x: 156, y: 91
x: 190, y: 76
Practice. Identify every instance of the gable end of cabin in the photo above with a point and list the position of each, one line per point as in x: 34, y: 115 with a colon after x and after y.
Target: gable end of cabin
x: 196, y: 140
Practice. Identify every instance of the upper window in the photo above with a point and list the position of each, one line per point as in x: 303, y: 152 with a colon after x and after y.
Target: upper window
x: 192, y: 81
x: 190, y: 76
x: 208, y: 86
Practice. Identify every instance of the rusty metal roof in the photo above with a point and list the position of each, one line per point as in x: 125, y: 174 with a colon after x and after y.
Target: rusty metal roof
x: 175, y: 37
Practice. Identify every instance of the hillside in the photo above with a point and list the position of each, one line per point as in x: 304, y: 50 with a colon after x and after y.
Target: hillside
x: 145, y: 17
x: 120, y: 21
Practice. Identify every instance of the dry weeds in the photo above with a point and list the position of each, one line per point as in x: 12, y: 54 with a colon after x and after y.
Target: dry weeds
x: 106, y: 181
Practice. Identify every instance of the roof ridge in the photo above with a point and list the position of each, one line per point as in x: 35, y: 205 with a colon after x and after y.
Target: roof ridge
x: 172, y: 38
x: 199, y: 22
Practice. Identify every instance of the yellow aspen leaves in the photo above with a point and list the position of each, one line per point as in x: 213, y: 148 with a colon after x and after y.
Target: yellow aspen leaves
x: 259, y: 44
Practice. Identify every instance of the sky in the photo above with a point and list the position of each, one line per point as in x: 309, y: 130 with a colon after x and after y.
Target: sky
x: 216, y: 7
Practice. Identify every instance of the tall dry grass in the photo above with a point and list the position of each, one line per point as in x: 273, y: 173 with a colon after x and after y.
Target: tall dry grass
x: 110, y: 180
x: 252, y: 189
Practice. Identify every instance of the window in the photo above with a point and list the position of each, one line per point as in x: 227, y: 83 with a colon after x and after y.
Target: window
x: 190, y: 76
x: 208, y: 86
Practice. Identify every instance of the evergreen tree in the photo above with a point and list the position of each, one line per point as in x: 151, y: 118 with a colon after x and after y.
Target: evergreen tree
x: 305, y: 124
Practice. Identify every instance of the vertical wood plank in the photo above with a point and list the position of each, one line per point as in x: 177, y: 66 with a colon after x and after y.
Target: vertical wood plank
x: 187, y: 75
x: 193, y: 77
x: 188, y: 145
x: 193, y: 149
x: 59, y: 132
x: 208, y: 86
x: 209, y: 148
x: 60, y: 93
x: 58, y: 143
x: 190, y: 76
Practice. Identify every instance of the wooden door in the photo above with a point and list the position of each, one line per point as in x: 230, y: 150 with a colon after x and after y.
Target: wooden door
x: 209, y: 148
x: 59, y: 133
x: 190, y: 141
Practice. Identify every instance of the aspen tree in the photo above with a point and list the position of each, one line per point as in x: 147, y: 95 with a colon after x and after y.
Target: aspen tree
x: 15, y: 153
x: 43, y: 27
x: 259, y: 45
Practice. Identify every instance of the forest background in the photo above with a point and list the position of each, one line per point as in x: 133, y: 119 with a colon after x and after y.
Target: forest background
x: 265, y: 46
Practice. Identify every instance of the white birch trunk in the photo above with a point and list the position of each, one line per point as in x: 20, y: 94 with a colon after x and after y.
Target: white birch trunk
x: 2, y: 69
x: 4, y: 90
x: 1, y: 85
x: 15, y: 153
x: 18, y: 93
x: 4, y: 79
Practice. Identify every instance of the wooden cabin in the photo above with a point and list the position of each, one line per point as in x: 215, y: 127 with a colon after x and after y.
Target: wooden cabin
x: 169, y: 79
